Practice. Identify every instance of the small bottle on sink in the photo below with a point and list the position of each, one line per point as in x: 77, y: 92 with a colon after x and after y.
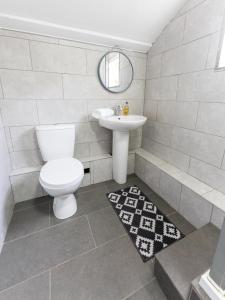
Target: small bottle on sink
x: 126, y: 109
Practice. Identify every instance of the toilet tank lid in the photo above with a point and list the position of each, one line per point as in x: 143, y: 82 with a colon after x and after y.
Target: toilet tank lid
x: 55, y: 127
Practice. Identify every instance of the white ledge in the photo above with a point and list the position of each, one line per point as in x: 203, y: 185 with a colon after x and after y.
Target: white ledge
x: 207, y: 192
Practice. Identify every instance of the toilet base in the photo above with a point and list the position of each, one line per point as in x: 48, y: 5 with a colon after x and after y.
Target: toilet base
x: 65, y: 206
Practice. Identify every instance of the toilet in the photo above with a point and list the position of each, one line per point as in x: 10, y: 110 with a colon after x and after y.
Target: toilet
x: 62, y: 174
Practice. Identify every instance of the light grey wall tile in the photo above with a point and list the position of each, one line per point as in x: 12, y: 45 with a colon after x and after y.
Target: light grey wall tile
x: 91, y: 132
x: 205, y: 147
x: 187, y: 58
x: 170, y: 190
x: 131, y: 163
x: 134, y: 142
x: 139, y: 65
x: 182, y: 114
x: 163, y: 88
x: 1, y: 92
x: 19, y: 112
x: 26, y: 186
x: 101, y: 170
x: 176, y: 158
x: 158, y: 132
x: 56, y: 58
x: 26, y: 158
x: 93, y: 59
x: 82, y: 150
x: 31, y: 85
x: 82, y: 87
x: 217, y: 217
x: 7, y: 202
x: 88, y: 87
x: 205, y: 86
x: 209, y: 174
x: 73, y: 60
x: 152, y: 176
x: 14, y: 53
x: 23, y: 138
x: 154, y: 66
x: 211, y: 118
x: 194, y: 208
x: 62, y: 111
x: 45, y: 57
x: 204, y: 19
x: 213, y: 50
x: 28, y: 36
x: 140, y: 167
x: 189, y: 5
x: 101, y: 147
x: 174, y: 33
x: 150, y: 109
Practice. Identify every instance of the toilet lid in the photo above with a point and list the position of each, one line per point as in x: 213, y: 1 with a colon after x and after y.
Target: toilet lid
x: 60, y: 172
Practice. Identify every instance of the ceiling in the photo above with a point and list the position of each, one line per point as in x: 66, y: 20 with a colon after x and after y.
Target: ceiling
x: 132, y: 24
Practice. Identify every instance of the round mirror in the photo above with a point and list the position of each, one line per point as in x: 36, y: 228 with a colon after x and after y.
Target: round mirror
x: 115, y: 72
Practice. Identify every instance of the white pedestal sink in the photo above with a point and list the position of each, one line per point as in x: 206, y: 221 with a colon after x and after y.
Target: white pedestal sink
x: 121, y: 125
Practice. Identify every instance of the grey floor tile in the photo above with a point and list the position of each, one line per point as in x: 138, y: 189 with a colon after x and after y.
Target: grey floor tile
x: 92, y: 187
x: 28, y: 221
x: 87, y: 202
x: 112, y: 271
x: 151, y: 291
x: 26, y: 257
x: 33, y: 202
x: 162, y: 205
x: 36, y: 288
x: 105, y: 225
x: 182, y: 224
x: 131, y: 180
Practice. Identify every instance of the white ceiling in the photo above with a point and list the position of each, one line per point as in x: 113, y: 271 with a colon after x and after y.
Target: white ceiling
x: 132, y: 24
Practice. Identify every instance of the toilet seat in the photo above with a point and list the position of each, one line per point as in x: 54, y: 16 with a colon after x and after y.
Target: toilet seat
x: 60, y: 173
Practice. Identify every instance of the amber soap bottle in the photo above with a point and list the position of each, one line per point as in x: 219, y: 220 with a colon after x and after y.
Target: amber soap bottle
x: 126, y: 109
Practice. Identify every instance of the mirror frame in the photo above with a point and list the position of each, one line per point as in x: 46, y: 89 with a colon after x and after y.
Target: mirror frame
x: 98, y: 71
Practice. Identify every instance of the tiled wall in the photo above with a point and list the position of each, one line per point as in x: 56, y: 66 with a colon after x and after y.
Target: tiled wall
x: 6, y: 197
x: 47, y: 81
x: 185, y: 96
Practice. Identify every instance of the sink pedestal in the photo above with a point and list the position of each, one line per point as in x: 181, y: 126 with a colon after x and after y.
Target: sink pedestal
x: 120, y: 155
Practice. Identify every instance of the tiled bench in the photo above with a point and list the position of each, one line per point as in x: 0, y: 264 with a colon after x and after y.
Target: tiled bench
x: 198, y: 202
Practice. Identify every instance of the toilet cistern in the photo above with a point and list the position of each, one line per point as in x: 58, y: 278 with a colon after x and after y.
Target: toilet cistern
x: 121, y: 125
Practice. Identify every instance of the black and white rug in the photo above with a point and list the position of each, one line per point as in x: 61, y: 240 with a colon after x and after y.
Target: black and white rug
x: 149, y: 229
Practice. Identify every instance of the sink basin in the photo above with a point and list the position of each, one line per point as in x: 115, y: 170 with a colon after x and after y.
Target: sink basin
x: 123, y: 123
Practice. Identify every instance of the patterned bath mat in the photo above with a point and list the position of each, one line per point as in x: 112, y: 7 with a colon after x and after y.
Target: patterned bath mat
x: 148, y: 228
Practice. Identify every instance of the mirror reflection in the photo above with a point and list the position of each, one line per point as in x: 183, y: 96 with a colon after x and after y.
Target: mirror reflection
x: 115, y: 72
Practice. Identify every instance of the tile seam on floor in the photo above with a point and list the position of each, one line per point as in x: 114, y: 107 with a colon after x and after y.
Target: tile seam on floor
x: 30, y: 207
x: 86, y: 252
x: 91, y: 232
x: 23, y: 281
x: 50, y: 284
x: 54, y: 225
x: 138, y: 289
x: 47, y: 228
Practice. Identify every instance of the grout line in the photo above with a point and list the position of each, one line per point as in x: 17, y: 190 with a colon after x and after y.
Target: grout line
x: 31, y: 61
x: 138, y: 289
x: 88, y: 251
x: 43, y: 229
x: 50, y: 284
x: 91, y: 232
x: 23, y: 281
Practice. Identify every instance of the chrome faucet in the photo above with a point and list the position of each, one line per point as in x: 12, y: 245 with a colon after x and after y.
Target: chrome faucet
x: 118, y: 110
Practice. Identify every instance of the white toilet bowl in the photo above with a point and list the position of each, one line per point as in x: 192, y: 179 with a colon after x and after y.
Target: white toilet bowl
x: 60, y: 178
